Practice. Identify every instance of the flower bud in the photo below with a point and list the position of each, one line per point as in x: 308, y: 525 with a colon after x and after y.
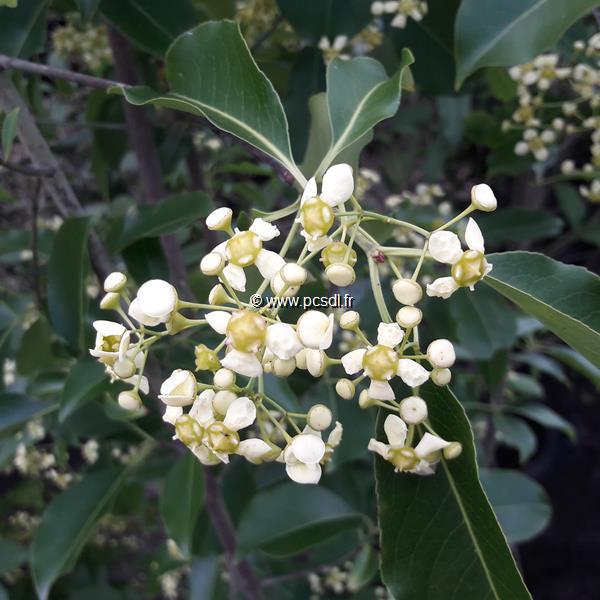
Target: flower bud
x: 440, y: 353
x: 301, y: 359
x: 212, y: 264
x: 284, y: 368
x: 441, y: 377
x: 179, y: 389
x: 218, y: 296
x: 454, y: 450
x: 407, y: 291
x: 278, y: 285
x: 345, y: 389
x: 482, y: 198
x: 364, y: 400
x: 222, y: 401
x: 350, y: 320
x: 206, y: 359
x: 409, y: 316
x: 129, y: 400
x: 316, y: 362
x: 124, y: 368
x: 224, y: 378
x: 413, y: 410
x: 293, y: 274
x: 340, y: 274
x: 115, y: 282
x: 110, y: 301
x: 319, y: 417
x: 220, y: 219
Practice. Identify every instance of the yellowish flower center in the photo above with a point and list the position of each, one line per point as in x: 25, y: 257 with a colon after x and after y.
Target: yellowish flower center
x: 317, y: 216
x: 243, y: 248
x: 470, y: 268
x: 247, y: 331
x: 189, y: 431
x: 110, y: 343
x: 404, y: 459
x: 222, y: 439
x: 206, y: 359
x: 336, y: 253
x: 380, y: 362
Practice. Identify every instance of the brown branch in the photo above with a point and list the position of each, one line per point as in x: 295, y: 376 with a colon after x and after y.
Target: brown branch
x: 40, y: 171
x: 8, y: 62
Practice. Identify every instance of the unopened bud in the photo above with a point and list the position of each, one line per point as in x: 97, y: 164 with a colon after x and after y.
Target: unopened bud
x: 413, y: 410
x: 319, y: 417
x: 129, y: 400
x: 212, y: 264
x: 340, y: 274
x: 365, y: 401
x: 440, y: 353
x: 219, y: 219
x: 224, y: 378
x: 441, y: 377
x: 115, y: 282
x: 409, y: 316
x: 284, y: 368
x: 345, y: 389
x: 407, y: 291
x: 222, y: 401
x: 124, y: 368
x: 483, y: 198
x: 350, y: 320
x: 453, y: 450
x: 316, y: 362
x: 301, y: 359
x: 111, y: 301
x: 293, y: 274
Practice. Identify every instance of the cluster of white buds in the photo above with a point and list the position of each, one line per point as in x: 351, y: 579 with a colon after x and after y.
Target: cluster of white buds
x: 222, y: 408
x: 401, y: 9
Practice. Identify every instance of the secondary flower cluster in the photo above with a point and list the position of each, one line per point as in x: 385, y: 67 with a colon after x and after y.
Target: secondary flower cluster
x: 222, y: 407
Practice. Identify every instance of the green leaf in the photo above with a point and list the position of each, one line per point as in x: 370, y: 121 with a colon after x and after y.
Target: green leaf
x: 9, y: 132
x: 67, y: 523
x: 489, y: 33
x: 311, y: 514
x: 66, y: 271
x: 518, y: 224
x: 543, y: 364
x: 85, y: 378
x: 181, y: 501
x: 571, y: 203
x: 23, y: 28
x: 563, y: 297
x: 514, y: 432
x: 439, y: 536
x: 477, y: 315
x: 12, y: 555
x: 452, y: 111
x: 16, y: 409
x: 167, y: 216
x: 152, y: 24
x: 520, y: 503
x: 360, y: 95
x: 251, y: 110
x: 87, y: 8
x: 541, y: 414
x: 204, y: 578
x: 575, y: 361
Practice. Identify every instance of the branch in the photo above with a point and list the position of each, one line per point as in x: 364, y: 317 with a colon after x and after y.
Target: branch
x: 8, y: 62
x: 40, y: 171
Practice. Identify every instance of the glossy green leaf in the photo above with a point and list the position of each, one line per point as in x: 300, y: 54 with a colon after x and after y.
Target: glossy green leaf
x: 311, y: 514
x: 571, y: 203
x: 543, y: 364
x: 516, y: 433
x: 23, y: 28
x: 251, y: 109
x: 9, y: 132
x: 563, y: 297
x: 543, y: 415
x: 477, y: 315
x: 12, y: 555
x: 575, y: 361
x: 167, y: 216
x: 439, y: 536
x: 181, y: 501
x: 66, y: 271
x: 16, y: 409
x: 520, y: 503
x: 85, y: 378
x: 360, y: 95
x: 67, y: 523
x: 489, y: 33
x: 518, y: 224
x: 152, y: 24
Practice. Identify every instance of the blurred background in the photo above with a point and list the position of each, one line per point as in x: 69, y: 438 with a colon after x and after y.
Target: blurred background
x: 87, y: 184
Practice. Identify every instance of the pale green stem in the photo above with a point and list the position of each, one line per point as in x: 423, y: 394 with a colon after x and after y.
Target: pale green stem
x: 378, y: 291
x: 391, y: 220
x: 457, y: 218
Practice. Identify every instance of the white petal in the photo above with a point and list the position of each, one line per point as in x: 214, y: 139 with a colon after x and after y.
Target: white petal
x: 140, y: 316
x: 221, y: 249
x: 483, y: 197
x: 335, y: 437
x: 381, y: 390
x: 302, y: 473
x: 157, y: 299
x: 353, y: 361
x: 430, y: 443
x: 205, y: 456
x: 310, y: 191
x: 108, y: 328
x: 171, y: 414
x: 382, y: 449
x: 283, y: 341
x: 395, y: 429
x: 423, y: 468
x: 474, y: 237
x: 399, y: 21
x: 315, y: 362
x: 308, y: 448
x: 264, y: 230
x: 269, y: 263
x: 316, y: 243
x: 202, y: 409
x: 179, y: 389
x: 389, y: 334
x: 337, y: 185
x: 143, y: 386
x: 243, y: 363
x: 442, y: 287
x: 218, y: 320
x: 444, y: 246
x: 241, y: 413
x: 412, y: 373
x: 253, y: 449
x: 235, y: 276
x: 315, y: 330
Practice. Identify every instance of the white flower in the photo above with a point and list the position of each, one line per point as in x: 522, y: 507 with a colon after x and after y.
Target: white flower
x: 240, y: 414
x: 157, y: 299
x: 442, y: 287
x: 283, y: 341
x: 253, y: 449
x: 140, y: 316
x: 412, y: 373
x: 389, y: 334
x: 302, y: 457
x: 243, y: 363
x: 483, y: 197
x: 112, y: 341
x: 179, y: 389
x: 315, y: 330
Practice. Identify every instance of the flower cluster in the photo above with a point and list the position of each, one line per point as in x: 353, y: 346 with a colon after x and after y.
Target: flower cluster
x: 402, y: 11
x: 222, y: 408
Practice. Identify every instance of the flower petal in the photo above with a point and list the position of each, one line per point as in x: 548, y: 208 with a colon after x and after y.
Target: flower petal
x: 310, y: 191
x: 430, y: 443
x: 171, y: 414
x: 108, y: 328
x: 202, y: 409
x: 382, y: 449
x: 338, y: 184
x: 140, y: 316
x: 442, y: 287
x: 302, y: 473
x: 411, y: 372
x: 205, y: 456
x: 235, y: 276
x: 241, y: 413
x: 389, y: 334
x: 157, y: 298
x: 395, y: 429
x: 283, y: 341
x: 308, y: 448
x: 474, y: 237
x: 315, y: 330
x: 253, y: 449
x: 243, y: 363
x: 269, y: 263
x: 381, y: 390
x: 353, y: 361
x: 264, y: 230
x: 444, y: 246
x: 218, y: 320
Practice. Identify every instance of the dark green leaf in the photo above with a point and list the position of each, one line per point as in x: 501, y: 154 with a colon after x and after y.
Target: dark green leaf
x: 514, y: 432
x: 23, y: 28
x: 12, y: 555
x: 66, y: 271
x: 16, y: 409
x: 543, y: 364
x: 452, y: 111
x: 563, y: 297
x: 511, y: 32
x: 145, y: 260
x: 181, y: 501
x: 525, y: 385
x: 9, y: 132
x: 36, y: 352
x: 252, y: 110
x: 87, y: 8
x: 289, y: 518
x: 204, y: 577
x: 541, y: 414
x: 519, y: 502
x: 364, y: 569
x: 575, y: 361
x: 570, y: 202
x: 439, y: 536
x: 84, y: 380
x: 517, y: 224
